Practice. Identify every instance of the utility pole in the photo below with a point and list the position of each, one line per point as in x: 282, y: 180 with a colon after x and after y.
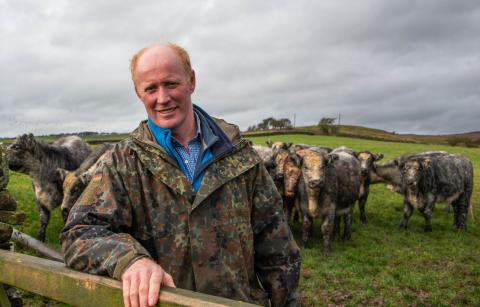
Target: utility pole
x: 338, y: 119
x: 294, y: 117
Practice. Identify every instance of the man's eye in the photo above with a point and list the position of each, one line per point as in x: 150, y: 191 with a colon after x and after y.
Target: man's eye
x: 150, y: 89
x: 171, y: 84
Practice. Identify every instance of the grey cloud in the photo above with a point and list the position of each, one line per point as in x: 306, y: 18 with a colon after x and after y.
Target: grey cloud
x: 408, y: 66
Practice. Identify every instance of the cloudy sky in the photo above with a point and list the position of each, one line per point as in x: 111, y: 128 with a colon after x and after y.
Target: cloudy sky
x: 401, y: 65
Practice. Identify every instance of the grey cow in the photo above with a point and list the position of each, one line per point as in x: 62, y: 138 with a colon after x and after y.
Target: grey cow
x: 40, y: 161
x: 429, y: 179
x: 328, y: 187
x: 367, y: 167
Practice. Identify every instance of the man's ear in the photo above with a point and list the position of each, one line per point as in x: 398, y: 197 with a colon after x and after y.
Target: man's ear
x: 192, y: 82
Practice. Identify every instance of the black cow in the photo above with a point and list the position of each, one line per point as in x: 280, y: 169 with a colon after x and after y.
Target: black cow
x: 431, y: 178
x: 40, y: 161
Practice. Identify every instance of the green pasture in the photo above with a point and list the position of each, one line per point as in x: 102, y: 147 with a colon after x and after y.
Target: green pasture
x: 381, y: 265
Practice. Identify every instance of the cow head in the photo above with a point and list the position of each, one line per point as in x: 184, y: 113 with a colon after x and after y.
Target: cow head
x: 367, y: 161
x: 277, y: 146
x: 413, y: 170
x: 292, y: 173
x: 313, y: 166
x: 21, y: 152
x: 73, y: 186
x: 280, y: 159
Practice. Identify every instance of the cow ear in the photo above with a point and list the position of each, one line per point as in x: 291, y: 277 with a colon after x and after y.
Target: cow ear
x: 378, y: 157
x: 269, y: 143
x: 426, y: 163
x: 399, y: 162
x: 289, y: 144
x: 332, y: 157
x: 296, y: 159
x: 355, y: 153
x: 61, y: 173
x: 30, y: 141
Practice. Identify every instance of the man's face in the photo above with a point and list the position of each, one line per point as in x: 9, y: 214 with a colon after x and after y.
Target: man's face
x: 165, y: 89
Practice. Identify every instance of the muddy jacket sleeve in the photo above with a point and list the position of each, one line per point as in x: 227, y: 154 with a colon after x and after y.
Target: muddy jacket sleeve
x: 95, y: 238
x: 277, y: 256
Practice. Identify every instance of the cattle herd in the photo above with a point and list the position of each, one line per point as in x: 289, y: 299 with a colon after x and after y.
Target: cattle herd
x: 315, y: 182
x: 325, y: 183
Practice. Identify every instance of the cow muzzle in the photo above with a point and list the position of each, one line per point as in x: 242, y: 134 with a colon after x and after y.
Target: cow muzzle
x: 315, y: 184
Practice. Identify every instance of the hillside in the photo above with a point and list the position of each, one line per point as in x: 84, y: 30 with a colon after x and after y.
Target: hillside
x: 469, y: 139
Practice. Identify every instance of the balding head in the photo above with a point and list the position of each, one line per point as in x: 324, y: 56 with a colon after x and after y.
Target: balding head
x: 159, y: 51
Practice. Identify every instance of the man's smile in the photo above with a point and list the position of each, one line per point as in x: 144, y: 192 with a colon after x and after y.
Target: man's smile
x: 167, y: 110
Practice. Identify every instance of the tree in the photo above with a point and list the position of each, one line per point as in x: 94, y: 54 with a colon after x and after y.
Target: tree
x: 326, y: 125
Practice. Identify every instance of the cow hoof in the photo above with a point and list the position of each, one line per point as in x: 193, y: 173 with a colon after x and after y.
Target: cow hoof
x: 428, y: 229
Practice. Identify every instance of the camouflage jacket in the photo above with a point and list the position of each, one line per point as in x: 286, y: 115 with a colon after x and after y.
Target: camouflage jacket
x: 229, y: 239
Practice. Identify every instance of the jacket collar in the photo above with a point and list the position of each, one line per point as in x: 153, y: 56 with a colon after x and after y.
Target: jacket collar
x: 225, y: 165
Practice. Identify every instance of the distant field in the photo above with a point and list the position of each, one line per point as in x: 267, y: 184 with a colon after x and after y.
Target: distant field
x: 471, y: 139
x: 381, y: 265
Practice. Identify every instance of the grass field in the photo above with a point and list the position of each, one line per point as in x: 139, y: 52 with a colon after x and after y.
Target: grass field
x: 381, y: 265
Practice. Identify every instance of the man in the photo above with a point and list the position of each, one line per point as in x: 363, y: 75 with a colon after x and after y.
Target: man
x: 183, y: 201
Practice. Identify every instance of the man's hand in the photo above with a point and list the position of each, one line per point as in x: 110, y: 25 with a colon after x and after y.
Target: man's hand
x: 141, y: 283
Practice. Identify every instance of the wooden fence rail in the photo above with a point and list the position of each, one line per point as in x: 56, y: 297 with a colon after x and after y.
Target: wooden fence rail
x: 54, y: 280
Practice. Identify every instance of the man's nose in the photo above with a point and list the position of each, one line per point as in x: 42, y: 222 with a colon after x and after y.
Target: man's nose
x: 162, y: 95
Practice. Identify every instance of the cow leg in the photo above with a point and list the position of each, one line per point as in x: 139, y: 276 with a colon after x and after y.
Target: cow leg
x: 287, y: 207
x: 361, y: 205
x: 296, y: 211
x: 461, y: 210
x: 456, y: 214
x: 427, y: 213
x: 307, y: 228
x: 407, y: 213
x: 336, y: 227
x: 327, y: 229
x: 347, y: 231
x: 44, y: 219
